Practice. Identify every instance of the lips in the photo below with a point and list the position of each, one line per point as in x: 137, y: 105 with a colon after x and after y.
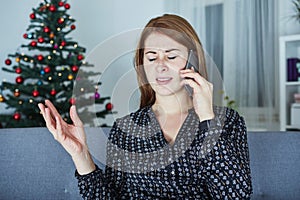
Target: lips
x: 163, y: 80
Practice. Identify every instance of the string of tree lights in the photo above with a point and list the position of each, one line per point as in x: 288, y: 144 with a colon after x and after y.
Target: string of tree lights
x: 45, y: 67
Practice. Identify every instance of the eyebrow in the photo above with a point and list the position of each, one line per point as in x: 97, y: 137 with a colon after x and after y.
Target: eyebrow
x: 167, y: 51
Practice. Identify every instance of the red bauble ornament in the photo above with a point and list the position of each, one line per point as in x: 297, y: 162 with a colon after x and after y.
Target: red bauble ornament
x: 18, y: 70
x: 33, y: 43
x: 60, y: 3
x: 53, y: 92
x: 73, y: 27
x: 40, y: 57
x: 41, y: 40
x: 25, y: 35
x: 46, y: 29
x: 67, y: 6
x: 74, y: 68
x: 109, y: 106
x: 47, y: 69
x: 8, y: 61
x: 17, y: 116
x: 72, y: 101
x: 60, y: 20
x: 17, y: 93
x: 32, y: 16
x: 63, y: 43
x: 19, y: 80
x: 35, y: 93
x: 79, y: 57
x: 52, y: 8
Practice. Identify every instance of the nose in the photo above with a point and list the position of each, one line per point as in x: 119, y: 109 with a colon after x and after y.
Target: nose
x: 161, y: 67
x: 161, y: 64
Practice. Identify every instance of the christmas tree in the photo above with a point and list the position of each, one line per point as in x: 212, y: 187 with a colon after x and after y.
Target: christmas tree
x: 46, y: 67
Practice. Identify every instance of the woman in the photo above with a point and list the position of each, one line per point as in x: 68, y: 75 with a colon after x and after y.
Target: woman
x: 176, y: 146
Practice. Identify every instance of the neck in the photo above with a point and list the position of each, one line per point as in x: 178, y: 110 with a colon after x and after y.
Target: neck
x: 172, y: 104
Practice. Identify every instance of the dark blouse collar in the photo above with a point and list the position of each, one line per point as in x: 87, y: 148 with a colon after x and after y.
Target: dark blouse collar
x: 187, y: 131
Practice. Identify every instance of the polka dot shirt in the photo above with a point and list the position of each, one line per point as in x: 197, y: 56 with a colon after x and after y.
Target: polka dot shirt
x: 208, y: 160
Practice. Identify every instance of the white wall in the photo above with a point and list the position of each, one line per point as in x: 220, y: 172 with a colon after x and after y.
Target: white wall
x: 13, y: 21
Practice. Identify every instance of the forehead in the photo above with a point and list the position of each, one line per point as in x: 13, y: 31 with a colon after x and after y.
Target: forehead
x: 162, y: 42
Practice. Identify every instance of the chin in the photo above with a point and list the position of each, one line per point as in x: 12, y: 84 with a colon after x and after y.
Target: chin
x: 169, y: 91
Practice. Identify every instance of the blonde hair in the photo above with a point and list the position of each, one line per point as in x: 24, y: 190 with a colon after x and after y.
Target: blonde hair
x: 179, y: 30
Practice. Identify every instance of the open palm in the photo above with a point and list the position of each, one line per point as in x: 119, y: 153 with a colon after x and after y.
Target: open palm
x: 71, y: 136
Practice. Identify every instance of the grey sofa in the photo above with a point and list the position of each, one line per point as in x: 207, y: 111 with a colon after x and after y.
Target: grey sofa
x: 34, y: 166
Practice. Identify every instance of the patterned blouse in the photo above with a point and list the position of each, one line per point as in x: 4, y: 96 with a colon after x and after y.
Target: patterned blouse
x: 208, y: 160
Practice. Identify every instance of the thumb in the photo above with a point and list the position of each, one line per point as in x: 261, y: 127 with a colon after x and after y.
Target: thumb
x: 74, y: 116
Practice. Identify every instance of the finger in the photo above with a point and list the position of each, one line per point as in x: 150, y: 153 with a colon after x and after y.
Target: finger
x: 48, y: 119
x: 74, y: 116
x: 42, y: 109
x: 50, y: 123
x: 190, y: 73
x: 195, y: 76
x: 206, y: 87
x: 53, y: 111
x: 59, y: 131
x: 191, y: 83
x: 183, y: 71
x: 52, y: 108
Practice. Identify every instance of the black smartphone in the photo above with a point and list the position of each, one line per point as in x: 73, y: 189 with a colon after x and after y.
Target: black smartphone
x: 191, y: 63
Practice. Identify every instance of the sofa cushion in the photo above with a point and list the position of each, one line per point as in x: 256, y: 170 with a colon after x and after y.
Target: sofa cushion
x: 34, y: 166
x: 275, y: 165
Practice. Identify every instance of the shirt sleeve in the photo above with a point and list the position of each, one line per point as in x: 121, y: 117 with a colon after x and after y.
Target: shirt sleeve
x: 103, y: 184
x: 99, y: 185
x: 227, y: 166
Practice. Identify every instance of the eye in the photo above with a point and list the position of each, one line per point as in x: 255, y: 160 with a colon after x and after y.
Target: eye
x: 171, y: 57
x: 151, y: 59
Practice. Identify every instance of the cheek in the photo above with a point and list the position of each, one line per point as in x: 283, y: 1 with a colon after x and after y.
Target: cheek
x: 146, y: 68
x: 148, y: 72
x: 176, y: 67
x: 150, y: 76
x: 177, y: 64
x: 181, y: 64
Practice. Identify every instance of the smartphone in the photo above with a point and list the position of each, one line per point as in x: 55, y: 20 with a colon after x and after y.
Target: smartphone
x: 191, y: 63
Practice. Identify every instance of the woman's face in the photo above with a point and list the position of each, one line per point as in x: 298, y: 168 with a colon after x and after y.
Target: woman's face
x: 163, y: 59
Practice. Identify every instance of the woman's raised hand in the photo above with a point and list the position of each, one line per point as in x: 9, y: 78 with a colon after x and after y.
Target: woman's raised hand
x: 71, y: 136
x: 202, y: 93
